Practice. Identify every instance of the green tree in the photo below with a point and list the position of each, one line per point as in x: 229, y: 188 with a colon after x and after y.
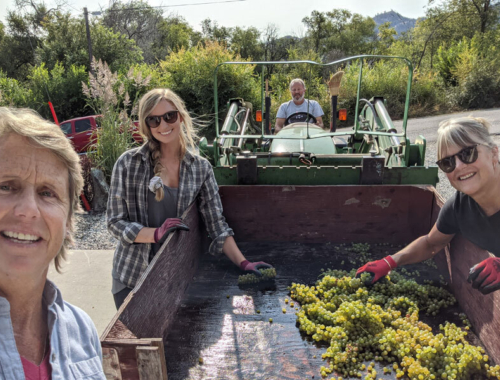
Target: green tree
x: 386, y: 36
x: 245, y: 42
x: 340, y: 33
x: 136, y: 20
x: 213, y: 32
x: 66, y: 42
x: 319, y: 28
x: 174, y: 34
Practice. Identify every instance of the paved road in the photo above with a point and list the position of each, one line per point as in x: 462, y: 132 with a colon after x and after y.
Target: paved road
x: 86, y: 283
x: 427, y: 126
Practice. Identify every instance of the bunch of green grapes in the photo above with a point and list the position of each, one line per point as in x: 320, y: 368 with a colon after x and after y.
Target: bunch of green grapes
x: 381, y: 323
x: 267, y: 274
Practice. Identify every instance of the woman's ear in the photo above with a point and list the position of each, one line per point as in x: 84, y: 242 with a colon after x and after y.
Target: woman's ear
x: 495, y: 155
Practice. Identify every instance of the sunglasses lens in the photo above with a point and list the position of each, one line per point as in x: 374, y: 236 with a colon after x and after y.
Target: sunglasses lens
x: 468, y: 155
x: 447, y: 164
x: 153, y: 121
x: 170, y: 117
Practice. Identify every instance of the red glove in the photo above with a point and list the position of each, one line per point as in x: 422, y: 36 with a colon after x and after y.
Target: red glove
x: 247, y: 266
x: 168, y: 226
x: 485, y: 276
x: 379, y: 268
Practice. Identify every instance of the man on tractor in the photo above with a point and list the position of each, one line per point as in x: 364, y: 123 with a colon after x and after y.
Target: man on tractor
x: 299, y: 109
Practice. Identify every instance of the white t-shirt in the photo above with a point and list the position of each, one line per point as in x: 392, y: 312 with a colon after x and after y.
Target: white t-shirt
x: 289, y: 108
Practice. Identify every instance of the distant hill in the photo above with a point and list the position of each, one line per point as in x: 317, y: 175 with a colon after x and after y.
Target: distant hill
x: 398, y: 22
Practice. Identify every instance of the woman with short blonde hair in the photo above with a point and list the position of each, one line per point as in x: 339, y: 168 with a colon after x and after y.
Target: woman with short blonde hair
x: 153, y: 185
x: 40, y: 182
x: 469, y: 157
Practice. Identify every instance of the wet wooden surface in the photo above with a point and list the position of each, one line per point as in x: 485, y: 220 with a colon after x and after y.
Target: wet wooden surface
x: 233, y: 339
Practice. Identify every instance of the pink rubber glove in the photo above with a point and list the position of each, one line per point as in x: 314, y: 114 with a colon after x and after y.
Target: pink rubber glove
x: 379, y: 268
x: 247, y: 266
x: 168, y: 226
x: 485, y: 276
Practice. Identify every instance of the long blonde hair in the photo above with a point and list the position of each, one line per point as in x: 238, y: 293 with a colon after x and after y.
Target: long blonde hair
x: 44, y: 134
x: 187, y: 134
x: 463, y: 132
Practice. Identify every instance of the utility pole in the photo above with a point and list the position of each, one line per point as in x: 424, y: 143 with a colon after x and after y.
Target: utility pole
x: 89, y: 41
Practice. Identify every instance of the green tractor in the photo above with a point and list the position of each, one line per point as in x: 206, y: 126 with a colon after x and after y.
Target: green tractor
x: 245, y: 152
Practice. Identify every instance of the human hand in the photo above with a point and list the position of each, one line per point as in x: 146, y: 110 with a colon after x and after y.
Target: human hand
x: 485, y: 276
x: 168, y: 226
x: 254, y: 268
x: 378, y: 269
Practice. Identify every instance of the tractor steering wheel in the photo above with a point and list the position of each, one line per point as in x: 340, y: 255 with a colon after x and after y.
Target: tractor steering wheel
x: 300, y: 117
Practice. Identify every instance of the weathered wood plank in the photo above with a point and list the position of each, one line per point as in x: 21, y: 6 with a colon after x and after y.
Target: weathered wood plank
x: 111, y: 364
x: 482, y: 310
x: 149, y: 363
x: 317, y: 214
x: 152, y: 306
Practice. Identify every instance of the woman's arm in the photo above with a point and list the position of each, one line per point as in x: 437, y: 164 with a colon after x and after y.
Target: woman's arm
x: 146, y: 235
x: 117, y: 215
x: 422, y: 248
x: 232, y: 251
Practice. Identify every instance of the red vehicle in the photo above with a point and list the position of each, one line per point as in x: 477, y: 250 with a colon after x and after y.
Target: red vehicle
x: 81, y: 129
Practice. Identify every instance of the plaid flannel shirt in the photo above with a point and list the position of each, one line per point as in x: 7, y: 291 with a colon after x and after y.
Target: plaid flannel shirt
x: 127, y: 211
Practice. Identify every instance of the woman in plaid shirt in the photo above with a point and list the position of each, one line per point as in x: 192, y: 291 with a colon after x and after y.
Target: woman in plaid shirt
x: 153, y: 184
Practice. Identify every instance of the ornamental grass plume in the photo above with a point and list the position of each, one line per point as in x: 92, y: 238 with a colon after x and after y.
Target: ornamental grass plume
x: 108, y: 97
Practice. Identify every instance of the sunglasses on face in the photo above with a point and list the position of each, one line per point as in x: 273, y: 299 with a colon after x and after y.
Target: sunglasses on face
x: 467, y: 156
x: 154, y: 121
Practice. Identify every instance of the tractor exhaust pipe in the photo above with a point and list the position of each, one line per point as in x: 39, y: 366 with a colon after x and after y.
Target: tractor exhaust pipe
x: 267, y: 128
x: 334, y: 88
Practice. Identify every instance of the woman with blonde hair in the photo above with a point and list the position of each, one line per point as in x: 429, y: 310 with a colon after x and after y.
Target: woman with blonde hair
x: 154, y: 184
x: 41, y: 335
x: 469, y: 157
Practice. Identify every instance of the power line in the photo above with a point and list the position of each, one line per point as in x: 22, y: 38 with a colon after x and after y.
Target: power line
x: 166, y: 6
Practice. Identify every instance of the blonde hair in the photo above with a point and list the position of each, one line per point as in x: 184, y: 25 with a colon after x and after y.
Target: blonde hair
x: 463, y: 132
x: 297, y: 80
x: 44, y: 134
x: 187, y: 134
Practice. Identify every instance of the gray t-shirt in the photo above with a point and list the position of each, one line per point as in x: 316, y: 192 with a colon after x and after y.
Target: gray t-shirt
x: 309, y: 106
x: 158, y: 212
x: 461, y: 214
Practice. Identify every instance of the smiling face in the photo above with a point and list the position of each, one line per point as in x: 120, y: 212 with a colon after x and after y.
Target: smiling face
x: 298, y: 93
x: 472, y: 179
x: 34, y: 207
x: 166, y: 133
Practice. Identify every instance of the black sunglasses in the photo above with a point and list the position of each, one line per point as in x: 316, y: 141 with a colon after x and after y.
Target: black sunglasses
x: 467, y: 156
x: 154, y: 121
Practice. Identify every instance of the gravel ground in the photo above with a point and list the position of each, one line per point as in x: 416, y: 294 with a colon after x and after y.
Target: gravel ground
x: 91, y: 231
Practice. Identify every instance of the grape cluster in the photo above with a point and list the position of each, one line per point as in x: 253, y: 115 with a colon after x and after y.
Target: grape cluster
x: 381, y: 323
x: 267, y: 274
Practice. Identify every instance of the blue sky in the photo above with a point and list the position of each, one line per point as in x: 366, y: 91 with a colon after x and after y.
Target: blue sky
x: 286, y: 14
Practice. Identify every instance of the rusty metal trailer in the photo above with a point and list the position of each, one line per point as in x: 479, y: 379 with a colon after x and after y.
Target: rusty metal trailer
x: 188, y: 306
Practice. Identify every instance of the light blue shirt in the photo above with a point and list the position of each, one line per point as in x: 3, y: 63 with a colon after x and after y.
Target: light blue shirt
x: 309, y: 106
x: 75, y: 349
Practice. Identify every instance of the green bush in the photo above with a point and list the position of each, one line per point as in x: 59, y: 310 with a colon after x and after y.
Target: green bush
x: 13, y: 93
x: 389, y: 79
x: 478, y: 84
x: 190, y: 73
x: 64, y: 88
